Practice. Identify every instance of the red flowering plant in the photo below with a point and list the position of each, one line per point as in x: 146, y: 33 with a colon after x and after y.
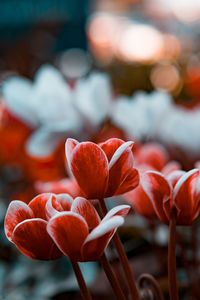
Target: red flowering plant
x: 179, y: 189
x: 26, y: 227
x: 176, y: 201
x: 105, y: 170
x: 96, y: 175
x: 102, y: 170
x: 51, y: 222
x: 74, y: 226
x: 77, y: 230
x: 149, y: 157
x: 138, y: 197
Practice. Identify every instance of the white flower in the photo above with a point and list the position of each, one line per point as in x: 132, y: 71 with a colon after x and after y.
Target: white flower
x: 93, y: 98
x: 16, y: 92
x: 180, y: 130
x: 52, y: 96
x: 139, y: 115
x: 45, y: 104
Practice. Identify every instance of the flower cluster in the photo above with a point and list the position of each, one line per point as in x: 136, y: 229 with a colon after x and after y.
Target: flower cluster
x: 149, y: 157
x: 54, y: 224
x: 164, y: 185
x: 179, y: 189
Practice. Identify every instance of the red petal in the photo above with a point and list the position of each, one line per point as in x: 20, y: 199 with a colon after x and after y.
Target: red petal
x: 69, y: 147
x: 158, y: 190
x: 141, y: 202
x: 110, y: 146
x: 120, y: 151
x: 152, y: 154
x: 38, y: 205
x: 17, y: 212
x: 32, y: 239
x: 58, y: 203
x: 120, y: 210
x: 120, y: 167
x: 130, y: 182
x: 52, y: 207
x: 171, y: 167
x: 173, y: 177
x: 65, y: 200
x: 99, y: 238
x: 63, y: 186
x: 84, y: 208
x: 69, y: 231
x: 186, y: 197
x: 89, y: 166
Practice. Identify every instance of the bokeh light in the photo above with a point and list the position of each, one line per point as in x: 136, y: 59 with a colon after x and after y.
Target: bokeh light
x: 166, y: 76
x: 140, y: 43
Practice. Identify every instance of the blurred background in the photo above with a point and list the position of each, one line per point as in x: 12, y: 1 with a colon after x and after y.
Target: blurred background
x: 92, y: 70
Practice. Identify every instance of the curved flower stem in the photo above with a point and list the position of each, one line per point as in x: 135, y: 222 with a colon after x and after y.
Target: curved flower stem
x: 81, y: 282
x: 123, y: 259
x: 117, y: 268
x: 153, y: 283
x: 173, y: 290
x: 112, y: 278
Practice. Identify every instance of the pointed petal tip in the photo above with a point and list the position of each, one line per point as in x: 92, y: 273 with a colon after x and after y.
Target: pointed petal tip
x: 120, y: 210
x: 104, y: 227
x: 70, y: 144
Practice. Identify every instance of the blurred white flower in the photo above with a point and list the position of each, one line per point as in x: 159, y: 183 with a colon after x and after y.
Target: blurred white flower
x: 93, y: 98
x: 47, y: 105
x: 52, y: 96
x: 140, y: 115
x: 180, y: 130
x: 16, y: 92
x: 54, y: 110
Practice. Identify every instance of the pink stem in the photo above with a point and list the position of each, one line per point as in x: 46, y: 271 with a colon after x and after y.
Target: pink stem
x: 112, y: 278
x: 173, y: 290
x: 123, y: 259
x: 81, y: 282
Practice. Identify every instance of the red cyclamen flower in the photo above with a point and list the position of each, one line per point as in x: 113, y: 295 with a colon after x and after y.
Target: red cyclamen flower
x: 25, y: 226
x: 139, y: 199
x: 77, y: 230
x: 102, y: 170
x: 179, y: 189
